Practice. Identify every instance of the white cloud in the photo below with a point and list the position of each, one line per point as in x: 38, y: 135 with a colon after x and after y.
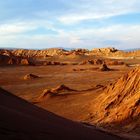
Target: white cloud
x: 75, y: 18
x: 15, y: 28
x: 15, y: 33
x: 127, y: 35
x: 20, y: 27
x: 101, y: 9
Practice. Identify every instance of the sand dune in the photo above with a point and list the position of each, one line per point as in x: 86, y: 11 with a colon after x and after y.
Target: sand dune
x: 22, y: 120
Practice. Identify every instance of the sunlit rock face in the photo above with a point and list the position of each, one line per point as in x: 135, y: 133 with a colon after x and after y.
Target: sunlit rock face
x: 119, y: 104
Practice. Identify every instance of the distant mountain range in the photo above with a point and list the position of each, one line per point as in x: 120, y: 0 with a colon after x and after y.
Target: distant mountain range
x: 68, y: 49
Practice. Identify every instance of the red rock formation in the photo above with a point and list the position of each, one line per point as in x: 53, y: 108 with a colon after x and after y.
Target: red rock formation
x: 112, y: 52
x: 119, y: 104
x: 4, y: 59
x: 38, y: 53
x: 6, y: 52
x: 105, y: 50
x: 60, y: 90
x: 30, y: 76
x: 93, y: 62
x: 109, y: 52
x: 14, y: 60
x: 24, y: 62
x: 102, y: 61
x: 104, y: 67
x: 114, y: 62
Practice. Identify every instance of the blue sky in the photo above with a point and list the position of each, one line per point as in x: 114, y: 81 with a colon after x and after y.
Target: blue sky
x: 70, y: 24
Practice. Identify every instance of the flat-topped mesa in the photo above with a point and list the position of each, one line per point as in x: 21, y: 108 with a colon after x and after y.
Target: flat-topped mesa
x: 119, y: 104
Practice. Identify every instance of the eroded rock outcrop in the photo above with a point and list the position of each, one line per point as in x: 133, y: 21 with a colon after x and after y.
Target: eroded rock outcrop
x: 112, y: 52
x: 105, y: 50
x: 119, y: 104
x: 13, y: 60
x: 104, y: 67
x: 58, y: 91
x: 30, y: 76
x: 38, y: 53
x: 102, y: 61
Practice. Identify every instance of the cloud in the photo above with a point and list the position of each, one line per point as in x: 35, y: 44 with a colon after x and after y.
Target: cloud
x: 15, y: 28
x: 126, y: 37
x: 75, y: 18
x: 22, y: 27
x: 91, y: 10
x: 75, y: 23
x: 23, y: 34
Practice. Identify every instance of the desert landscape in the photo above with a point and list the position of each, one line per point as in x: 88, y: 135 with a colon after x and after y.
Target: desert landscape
x: 69, y: 69
x: 76, y: 94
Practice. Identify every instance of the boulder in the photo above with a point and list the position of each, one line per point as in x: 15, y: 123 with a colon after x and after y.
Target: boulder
x: 104, y: 67
x: 30, y: 76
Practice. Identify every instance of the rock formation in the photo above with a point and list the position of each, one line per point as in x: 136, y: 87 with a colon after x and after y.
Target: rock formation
x: 119, y: 104
x: 38, y: 53
x: 102, y: 61
x: 104, y: 67
x: 112, y: 52
x: 30, y: 76
x: 6, y: 52
x: 14, y: 60
x: 105, y: 50
x: 60, y: 90
x: 24, y: 62
x: 109, y: 52
x: 114, y: 62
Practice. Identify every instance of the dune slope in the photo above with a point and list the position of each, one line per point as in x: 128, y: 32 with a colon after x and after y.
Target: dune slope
x: 22, y: 120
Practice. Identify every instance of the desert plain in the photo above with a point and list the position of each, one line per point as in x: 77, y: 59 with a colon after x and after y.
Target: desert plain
x: 86, y: 89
